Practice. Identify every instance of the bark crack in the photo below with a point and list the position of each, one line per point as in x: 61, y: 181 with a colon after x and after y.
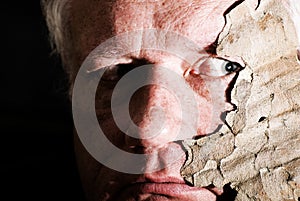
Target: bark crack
x: 257, y: 150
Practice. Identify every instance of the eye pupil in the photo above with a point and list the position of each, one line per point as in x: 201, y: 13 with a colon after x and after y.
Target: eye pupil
x: 230, y: 67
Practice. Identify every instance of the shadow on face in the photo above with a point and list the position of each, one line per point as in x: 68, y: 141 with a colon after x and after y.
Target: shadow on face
x: 149, y: 121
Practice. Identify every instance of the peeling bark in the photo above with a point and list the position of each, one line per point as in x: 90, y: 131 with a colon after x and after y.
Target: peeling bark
x: 258, y: 151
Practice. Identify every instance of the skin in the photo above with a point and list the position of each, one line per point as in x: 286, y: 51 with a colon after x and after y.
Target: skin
x: 201, y: 21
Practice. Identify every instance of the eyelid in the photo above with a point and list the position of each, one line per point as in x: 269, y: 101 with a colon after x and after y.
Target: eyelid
x: 214, y: 67
x: 110, y: 73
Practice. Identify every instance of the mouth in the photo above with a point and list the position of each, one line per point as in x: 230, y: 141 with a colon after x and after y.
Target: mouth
x: 164, y: 191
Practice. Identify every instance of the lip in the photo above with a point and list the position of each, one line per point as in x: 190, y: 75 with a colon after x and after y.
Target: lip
x: 160, y: 179
x: 165, y: 191
x: 170, y: 189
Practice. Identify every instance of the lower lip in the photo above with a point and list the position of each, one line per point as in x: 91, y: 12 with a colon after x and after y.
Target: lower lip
x: 163, y: 190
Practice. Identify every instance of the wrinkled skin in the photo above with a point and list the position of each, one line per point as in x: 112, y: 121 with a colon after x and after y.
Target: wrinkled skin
x: 94, y: 21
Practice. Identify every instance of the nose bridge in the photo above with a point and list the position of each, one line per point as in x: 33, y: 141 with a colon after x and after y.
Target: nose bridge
x: 156, y: 111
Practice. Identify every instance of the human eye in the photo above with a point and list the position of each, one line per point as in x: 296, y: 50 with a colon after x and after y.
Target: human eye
x: 111, y: 73
x: 216, y: 67
x: 116, y: 72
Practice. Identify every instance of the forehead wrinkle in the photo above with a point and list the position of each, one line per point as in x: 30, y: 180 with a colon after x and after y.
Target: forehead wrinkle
x: 170, y: 12
x: 193, y: 19
x: 134, y: 16
x: 125, y: 21
x: 91, y: 25
x: 129, y: 16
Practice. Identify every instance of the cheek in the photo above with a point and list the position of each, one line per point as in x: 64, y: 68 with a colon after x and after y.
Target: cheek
x: 198, y: 84
x: 210, y: 94
x: 105, y: 116
x: 210, y: 101
x: 98, y: 181
x: 204, y: 103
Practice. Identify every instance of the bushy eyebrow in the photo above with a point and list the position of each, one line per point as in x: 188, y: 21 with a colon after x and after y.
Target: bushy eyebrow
x: 119, y: 49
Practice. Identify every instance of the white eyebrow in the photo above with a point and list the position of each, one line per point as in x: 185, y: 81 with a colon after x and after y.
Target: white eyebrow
x: 116, y: 50
x: 108, y: 53
x: 102, y: 62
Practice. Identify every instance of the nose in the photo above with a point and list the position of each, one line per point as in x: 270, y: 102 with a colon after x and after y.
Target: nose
x: 156, y: 113
x: 161, y: 111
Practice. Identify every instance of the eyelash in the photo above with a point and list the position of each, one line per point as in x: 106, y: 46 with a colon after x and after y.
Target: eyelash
x: 215, y: 67
x: 209, y: 67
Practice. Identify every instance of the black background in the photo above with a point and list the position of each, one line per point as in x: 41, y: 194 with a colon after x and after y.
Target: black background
x: 37, y: 160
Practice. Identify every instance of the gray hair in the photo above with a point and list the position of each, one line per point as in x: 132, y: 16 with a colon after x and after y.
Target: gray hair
x: 54, y: 11
x: 57, y: 17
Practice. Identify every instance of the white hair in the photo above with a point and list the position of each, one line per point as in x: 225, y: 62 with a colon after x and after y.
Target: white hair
x: 57, y: 19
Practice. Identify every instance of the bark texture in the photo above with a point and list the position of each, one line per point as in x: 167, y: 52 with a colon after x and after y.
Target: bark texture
x: 258, y: 151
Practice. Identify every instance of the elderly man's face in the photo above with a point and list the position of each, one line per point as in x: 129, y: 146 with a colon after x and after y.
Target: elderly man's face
x: 94, y: 21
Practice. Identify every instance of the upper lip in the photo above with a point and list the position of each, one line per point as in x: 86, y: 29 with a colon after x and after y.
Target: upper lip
x: 169, y: 187
x: 165, y: 185
x: 160, y: 179
x: 159, y: 185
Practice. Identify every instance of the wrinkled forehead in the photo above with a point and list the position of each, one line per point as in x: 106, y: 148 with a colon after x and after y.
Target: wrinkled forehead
x: 94, y: 21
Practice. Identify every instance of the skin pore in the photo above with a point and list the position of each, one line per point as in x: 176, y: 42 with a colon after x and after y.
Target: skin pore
x: 94, y: 21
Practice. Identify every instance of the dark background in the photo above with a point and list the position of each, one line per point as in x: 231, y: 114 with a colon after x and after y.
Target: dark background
x: 37, y: 160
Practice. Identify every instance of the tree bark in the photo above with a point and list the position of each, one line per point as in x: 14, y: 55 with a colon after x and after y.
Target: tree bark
x: 258, y: 151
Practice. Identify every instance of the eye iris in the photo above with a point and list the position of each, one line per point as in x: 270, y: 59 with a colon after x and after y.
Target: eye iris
x: 230, y: 67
